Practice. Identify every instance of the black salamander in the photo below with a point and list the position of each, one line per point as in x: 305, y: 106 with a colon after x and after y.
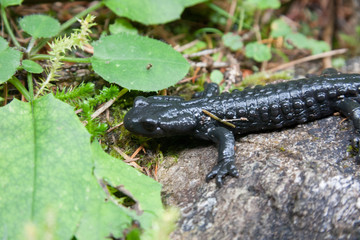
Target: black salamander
x: 218, y: 117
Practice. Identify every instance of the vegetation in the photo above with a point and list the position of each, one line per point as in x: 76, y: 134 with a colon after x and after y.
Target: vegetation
x: 56, y: 180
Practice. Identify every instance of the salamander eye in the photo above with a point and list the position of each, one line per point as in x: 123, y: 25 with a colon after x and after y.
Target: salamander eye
x: 149, y: 126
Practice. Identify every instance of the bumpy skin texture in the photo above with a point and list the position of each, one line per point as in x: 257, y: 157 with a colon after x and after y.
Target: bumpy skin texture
x: 255, y: 109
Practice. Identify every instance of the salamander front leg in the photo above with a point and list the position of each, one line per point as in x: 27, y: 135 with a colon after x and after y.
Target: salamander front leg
x: 351, y: 109
x: 225, y: 165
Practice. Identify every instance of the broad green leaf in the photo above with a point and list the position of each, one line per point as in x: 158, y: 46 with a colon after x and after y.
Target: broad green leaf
x: 232, y: 41
x: 122, y: 26
x: 188, y: 3
x: 102, y: 217
x: 6, y: 3
x: 40, y: 26
x: 259, y: 52
x: 32, y: 66
x: 279, y: 28
x: 136, y: 62
x: 145, y: 191
x: 45, y: 161
x: 147, y: 11
x: 3, y: 44
x: 150, y: 11
x: 9, y: 61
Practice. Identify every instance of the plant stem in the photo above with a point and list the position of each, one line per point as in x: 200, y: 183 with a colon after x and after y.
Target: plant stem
x: 72, y: 20
x: 30, y: 86
x: 31, y: 44
x: 221, y: 11
x: 8, y: 28
x: 67, y: 24
x: 122, y: 92
x: 50, y: 76
x: 241, y: 20
x: 40, y: 44
x: 64, y: 59
x: 16, y: 82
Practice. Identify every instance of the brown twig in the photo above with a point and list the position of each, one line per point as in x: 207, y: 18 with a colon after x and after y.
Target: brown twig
x: 124, y: 155
x: 213, y: 65
x: 186, y: 46
x: 195, y: 74
x: 218, y: 119
x: 156, y: 172
x: 329, y: 30
x: 189, y: 79
x: 137, y: 151
x: 307, y: 59
x: 231, y: 13
x: 202, y: 53
x: 103, y: 107
x: 114, y: 127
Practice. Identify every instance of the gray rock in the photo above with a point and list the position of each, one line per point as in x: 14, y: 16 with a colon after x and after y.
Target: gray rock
x: 297, y: 183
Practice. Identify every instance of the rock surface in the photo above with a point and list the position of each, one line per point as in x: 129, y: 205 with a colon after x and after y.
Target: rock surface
x: 298, y: 183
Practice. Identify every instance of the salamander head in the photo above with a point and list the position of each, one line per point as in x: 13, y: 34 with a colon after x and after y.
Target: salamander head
x: 158, y: 119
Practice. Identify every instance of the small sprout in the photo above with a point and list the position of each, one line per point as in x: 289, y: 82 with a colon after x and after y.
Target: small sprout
x: 60, y: 46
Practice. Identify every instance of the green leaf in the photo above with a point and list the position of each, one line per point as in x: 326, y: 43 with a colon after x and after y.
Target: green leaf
x: 6, y: 3
x: 122, y: 26
x: 102, y: 217
x: 216, y: 76
x: 338, y: 62
x: 232, y: 41
x: 9, y: 61
x: 3, y: 44
x: 40, y: 26
x: 46, y: 183
x: 139, y: 63
x: 301, y: 41
x: 145, y: 191
x: 296, y: 39
x: 259, y: 52
x: 188, y: 3
x: 32, y: 66
x: 279, y: 28
x: 150, y: 11
x: 44, y: 172
x: 317, y: 46
x: 264, y: 4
